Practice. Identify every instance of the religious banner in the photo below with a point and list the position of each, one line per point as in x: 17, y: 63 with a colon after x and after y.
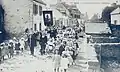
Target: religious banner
x: 48, y: 18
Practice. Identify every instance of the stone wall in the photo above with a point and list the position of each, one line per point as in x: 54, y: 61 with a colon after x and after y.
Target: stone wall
x: 105, y: 40
x: 18, y: 16
x: 115, y: 30
x: 110, y: 57
x: 109, y: 50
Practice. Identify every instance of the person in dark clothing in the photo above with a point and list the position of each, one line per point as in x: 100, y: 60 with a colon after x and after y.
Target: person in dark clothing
x: 76, y: 36
x: 53, y: 33
x: 29, y: 39
x: 17, y: 47
x: 73, y: 55
x: 77, y: 46
x: 43, y: 42
x: 32, y: 43
x: 64, y: 28
x: 11, y: 51
x: 61, y: 49
x: 35, y: 35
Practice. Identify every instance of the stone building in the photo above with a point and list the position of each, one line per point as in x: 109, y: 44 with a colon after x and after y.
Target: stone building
x: 22, y: 14
x: 38, y: 8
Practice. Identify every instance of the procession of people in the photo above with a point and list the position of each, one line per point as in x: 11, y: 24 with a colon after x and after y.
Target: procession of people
x: 59, y: 43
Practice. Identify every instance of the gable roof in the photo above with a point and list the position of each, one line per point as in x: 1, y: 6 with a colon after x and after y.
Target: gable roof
x: 60, y: 7
x: 116, y: 11
x: 97, y: 28
x: 40, y: 1
x: 72, y: 9
x: 57, y: 14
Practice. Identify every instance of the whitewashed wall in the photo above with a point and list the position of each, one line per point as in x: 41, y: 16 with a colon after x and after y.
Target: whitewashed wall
x: 115, y: 17
x: 18, y: 15
x: 37, y: 19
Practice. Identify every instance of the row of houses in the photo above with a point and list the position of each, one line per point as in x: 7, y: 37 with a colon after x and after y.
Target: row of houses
x: 106, y: 39
x: 66, y: 14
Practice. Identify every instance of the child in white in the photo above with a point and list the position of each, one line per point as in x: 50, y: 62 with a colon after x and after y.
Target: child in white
x: 22, y: 44
x: 64, y: 63
x: 56, y: 61
x: 67, y: 52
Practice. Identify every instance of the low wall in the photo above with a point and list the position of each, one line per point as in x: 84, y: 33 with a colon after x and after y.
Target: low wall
x: 109, y: 55
x: 105, y: 40
x: 108, y: 50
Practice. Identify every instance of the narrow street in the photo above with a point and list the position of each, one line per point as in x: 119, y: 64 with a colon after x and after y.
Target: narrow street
x: 27, y: 63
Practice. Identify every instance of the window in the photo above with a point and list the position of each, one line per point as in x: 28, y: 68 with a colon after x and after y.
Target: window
x: 35, y: 9
x: 72, y: 15
x: 35, y: 27
x: 115, y: 21
x: 40, y: 10
x: 79, y: 16
x: 40, y: 26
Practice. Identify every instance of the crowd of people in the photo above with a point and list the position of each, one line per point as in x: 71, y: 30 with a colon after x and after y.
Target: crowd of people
x: 13, y: 46
x: 60, y: 42
x: 66, y: 49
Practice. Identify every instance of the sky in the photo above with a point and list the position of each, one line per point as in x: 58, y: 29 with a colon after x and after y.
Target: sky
x: 89, y: 6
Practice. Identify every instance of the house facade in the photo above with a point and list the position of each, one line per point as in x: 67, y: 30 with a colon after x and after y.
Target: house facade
x: 22, y: 14
x: 60, y: 14
x: 70, y: 13
x: 115, y: 16
x: 38, y: 23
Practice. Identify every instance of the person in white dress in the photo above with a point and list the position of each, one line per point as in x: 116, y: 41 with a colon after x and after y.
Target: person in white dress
x: 56, y: 61
x: 64, y: 63
x: 22, y: 44
x: 70, y: 59
x: 50, y: 46
x: 68, y: 53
